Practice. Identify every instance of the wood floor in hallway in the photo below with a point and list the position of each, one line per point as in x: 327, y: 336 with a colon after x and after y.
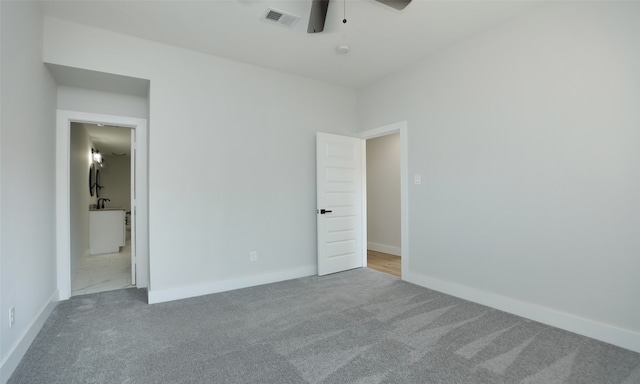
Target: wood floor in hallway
x: 383, y: 262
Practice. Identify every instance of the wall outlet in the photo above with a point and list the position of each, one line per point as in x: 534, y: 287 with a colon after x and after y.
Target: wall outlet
x: 253, y: 256
x: 12, y: 316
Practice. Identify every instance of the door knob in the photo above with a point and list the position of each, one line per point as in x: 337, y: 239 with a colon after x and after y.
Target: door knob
x: 323, y: 211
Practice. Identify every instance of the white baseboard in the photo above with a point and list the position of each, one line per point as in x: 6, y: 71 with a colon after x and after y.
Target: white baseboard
x: 608, y: 333
x: 384, y: 248
x: 17, y: 351
x: 163, y: 295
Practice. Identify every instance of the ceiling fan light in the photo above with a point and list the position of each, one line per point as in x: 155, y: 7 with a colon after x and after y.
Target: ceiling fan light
x: 343, y: 49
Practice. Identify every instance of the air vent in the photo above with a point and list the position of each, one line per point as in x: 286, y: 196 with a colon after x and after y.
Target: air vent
x: 275, y: 16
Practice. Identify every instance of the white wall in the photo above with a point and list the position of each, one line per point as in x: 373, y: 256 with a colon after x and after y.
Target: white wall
x: 109, y: 103
x: 527, y: 141
x: 80, y: 197
x: 115, y: 176
x: 383, y: 194
x: 231, y: 157
x: 2, y: 91
x: 27, y: 247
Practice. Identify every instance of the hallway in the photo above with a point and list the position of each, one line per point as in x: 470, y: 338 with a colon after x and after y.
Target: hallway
x: 384, y: 262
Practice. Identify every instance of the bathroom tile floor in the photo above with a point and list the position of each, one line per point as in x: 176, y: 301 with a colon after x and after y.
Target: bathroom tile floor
x: 106, y: 272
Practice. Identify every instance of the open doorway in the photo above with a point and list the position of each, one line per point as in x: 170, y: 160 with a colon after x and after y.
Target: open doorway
x: 383, y: 204
x: 402, y: 253
x: 102, y: 256
x: 341, y: 205
x: 65, y: 223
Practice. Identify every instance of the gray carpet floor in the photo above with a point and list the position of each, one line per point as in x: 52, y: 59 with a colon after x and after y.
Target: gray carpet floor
x: 359, y: 326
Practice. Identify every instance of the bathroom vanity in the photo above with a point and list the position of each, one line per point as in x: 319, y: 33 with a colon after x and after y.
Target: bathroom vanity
x: 106, y: 230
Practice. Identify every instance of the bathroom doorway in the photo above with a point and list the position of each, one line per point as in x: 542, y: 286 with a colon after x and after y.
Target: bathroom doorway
x: 73, y: 225
x: 102, y: 256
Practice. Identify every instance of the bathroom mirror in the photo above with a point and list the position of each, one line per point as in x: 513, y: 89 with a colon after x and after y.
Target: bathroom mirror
x: 92, y: 172
x: 98, y: 186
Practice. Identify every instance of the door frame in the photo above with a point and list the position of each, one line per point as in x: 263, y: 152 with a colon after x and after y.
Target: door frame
x: 399, y: 127
x: 132, y: 206
x: 64, y: 119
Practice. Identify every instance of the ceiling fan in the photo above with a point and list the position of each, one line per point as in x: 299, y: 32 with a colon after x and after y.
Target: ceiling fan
x: 319, y: 12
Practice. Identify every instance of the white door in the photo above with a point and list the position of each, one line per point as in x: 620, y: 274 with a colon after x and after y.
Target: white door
x: 132, y: 216
x: 339, y: 202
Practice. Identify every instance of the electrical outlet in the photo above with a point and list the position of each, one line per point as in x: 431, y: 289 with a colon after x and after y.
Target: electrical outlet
x: 12, y: 316
x: 253, y: 256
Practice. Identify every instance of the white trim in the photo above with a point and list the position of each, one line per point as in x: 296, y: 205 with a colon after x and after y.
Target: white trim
x: 63, y: 220
x: 17, y: 350
x: 600, y: 331
x: 132, y: 206
x: 383, y: 131
x: 402, y: 128
x: 164, y: 295
x: 390, y: 249
x: 364, y: 203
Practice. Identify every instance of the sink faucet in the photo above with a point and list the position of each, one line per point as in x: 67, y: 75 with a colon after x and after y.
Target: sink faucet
x: 101, y: 202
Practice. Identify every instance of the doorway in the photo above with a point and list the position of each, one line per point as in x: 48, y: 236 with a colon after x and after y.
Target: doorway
x: 383, y: 203
x: 72, y: 243
x: 386, y: 257
x: 341, y: 194
x: 102, y: 230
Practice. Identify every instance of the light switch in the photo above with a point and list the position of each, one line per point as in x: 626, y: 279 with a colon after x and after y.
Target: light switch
x: 417, y: 179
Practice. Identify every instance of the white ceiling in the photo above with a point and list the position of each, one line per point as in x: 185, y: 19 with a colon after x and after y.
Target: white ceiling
x: 109, y: 140
x: 382, y: 39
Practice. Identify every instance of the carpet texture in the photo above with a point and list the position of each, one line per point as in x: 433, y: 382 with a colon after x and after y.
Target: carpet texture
x: 359, y: 326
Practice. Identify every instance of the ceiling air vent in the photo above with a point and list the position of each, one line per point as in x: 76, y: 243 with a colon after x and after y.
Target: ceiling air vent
x: 275, y: 16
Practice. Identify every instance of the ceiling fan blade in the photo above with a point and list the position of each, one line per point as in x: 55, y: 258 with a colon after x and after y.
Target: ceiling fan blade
x: 317, y: 16
x: 397, y: 4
